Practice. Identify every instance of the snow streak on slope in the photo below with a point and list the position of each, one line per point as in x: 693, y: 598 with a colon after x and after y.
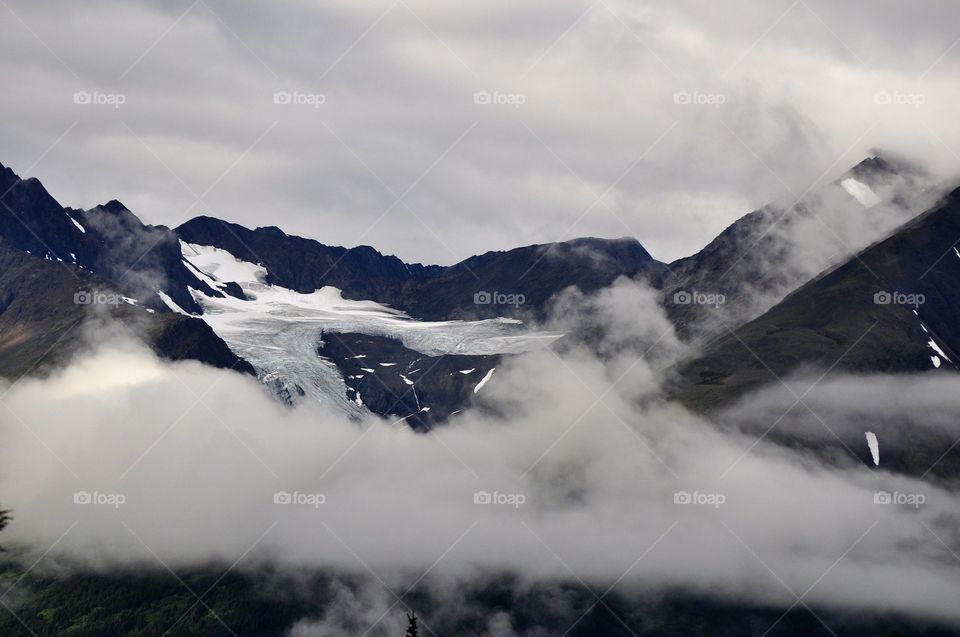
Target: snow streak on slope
x: 861, y: 192
x: 278, y: 330
x: 217, y: 266
x: 484, y: 381
x: 874, y: 446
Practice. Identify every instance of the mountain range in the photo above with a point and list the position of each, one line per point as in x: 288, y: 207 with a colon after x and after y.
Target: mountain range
x: 827, y: 279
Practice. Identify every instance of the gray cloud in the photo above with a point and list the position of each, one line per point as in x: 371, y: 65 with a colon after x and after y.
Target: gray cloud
x: 599, y: 482
x: 798, y: 101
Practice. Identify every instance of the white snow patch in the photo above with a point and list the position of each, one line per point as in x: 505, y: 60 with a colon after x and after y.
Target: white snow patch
x: 936, y: 361
x: 406, y: 380
x: 956, y: 252
x: 484, y: 380
x: 221, y: 266
x: 387, y: 364
x: 861, y: 192
x: 170, y: 302
x: 933, y: 345
x: 874, y: 447
x: 368, y: 370
x: 467, y: 371
x: 77, y: 224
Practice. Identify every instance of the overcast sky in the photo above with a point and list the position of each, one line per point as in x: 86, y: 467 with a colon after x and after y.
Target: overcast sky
x: 587, y: 137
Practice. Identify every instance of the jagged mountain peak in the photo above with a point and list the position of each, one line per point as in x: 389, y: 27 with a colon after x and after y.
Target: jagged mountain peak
x: 882, y: 163
x: 113, y: 206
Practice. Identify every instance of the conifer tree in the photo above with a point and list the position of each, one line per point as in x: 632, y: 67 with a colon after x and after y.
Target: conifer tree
x: 4, y: 521
x: 413, y: 628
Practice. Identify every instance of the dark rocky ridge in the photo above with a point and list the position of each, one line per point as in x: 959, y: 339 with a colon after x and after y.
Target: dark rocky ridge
x: 747, y: 261
x: 113, y: 243
x: 834, y: 319
x: 432, y: 292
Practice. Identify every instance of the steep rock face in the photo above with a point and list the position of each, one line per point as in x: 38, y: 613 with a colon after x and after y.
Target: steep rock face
x: 142, y: 258
x: 107, y: 240
x: 47, y: 308
x: 895, y: 307
x: 392, y: 380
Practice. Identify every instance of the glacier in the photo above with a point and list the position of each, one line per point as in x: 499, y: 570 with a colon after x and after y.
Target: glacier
x: 279, y: 331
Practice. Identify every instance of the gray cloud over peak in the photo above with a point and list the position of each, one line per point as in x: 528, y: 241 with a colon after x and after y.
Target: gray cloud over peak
x: 597, y: 119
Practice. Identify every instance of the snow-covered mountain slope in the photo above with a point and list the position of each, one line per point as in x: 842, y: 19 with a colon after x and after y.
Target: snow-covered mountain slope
x: 279, y: 331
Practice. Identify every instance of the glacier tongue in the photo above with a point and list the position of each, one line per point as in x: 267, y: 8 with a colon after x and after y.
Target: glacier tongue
x: 279, y: 330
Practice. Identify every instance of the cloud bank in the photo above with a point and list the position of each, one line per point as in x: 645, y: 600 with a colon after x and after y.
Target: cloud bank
x: 588, y: 478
